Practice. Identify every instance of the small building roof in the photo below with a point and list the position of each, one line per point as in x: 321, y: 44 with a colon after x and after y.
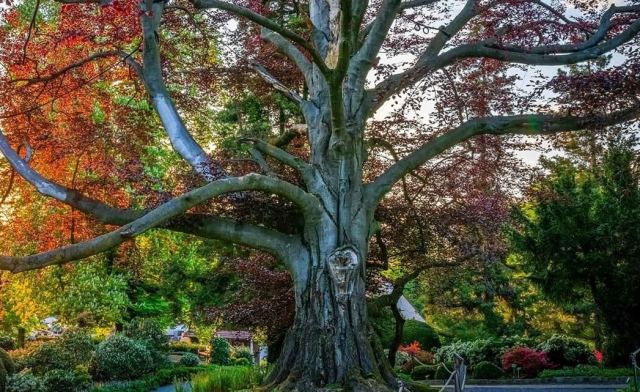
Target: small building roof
x: 234, y: 335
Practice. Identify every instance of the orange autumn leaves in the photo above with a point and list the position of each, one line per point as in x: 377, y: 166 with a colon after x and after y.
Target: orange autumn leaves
x: 72, y: 112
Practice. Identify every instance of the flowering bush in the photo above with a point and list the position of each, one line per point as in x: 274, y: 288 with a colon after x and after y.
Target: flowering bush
x: 566, y: 351
x: 24, y: 381
x: 598, y: 356
x: 121, y: 358
x: 529, y: 361
x: 476, y: 351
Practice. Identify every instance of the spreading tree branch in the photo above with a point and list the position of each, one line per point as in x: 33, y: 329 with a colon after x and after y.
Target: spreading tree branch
x: 528, y: 124
x: 432, y: 60
x: 160, y: 215
x: 278, y: 85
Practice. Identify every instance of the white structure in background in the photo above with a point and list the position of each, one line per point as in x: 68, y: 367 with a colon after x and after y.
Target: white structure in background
x: 176, y: 332
x: 407, y: 310
x: 50, y: 329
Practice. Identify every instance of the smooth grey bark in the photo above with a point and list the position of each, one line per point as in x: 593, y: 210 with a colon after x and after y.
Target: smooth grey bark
x: 330, y: 341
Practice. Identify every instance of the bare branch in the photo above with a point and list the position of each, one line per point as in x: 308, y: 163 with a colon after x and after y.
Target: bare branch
x: 278, y: 85
x: 528, y: 124
x: 290, y: 51
x: 432, y: 60
x: 304, y: 169
x: 264, y: 22
x: 365, y: 57
x: 127, y: 57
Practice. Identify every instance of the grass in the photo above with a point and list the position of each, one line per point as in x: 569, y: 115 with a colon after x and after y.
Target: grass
x: 228, y: 378
x: 586, y: 371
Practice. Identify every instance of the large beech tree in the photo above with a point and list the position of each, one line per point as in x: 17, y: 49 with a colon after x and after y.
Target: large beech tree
x: 336, y: 48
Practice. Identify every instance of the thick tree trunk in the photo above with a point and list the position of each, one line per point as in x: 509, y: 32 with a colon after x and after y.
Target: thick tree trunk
x: 331, y: 343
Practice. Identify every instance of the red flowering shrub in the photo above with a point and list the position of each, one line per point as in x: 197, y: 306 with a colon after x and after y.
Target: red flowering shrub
x: 411, y: 349
x: 529, y: 361
x: 599, y: 356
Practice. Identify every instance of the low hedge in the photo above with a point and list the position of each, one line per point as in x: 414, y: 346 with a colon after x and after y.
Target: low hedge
x: 487, y: 371
x: 586, y: 371
x: 423, y: 372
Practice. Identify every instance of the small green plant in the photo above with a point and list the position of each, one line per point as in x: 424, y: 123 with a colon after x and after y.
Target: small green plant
x: 566, y: 351
x: 190, y: 359
x: 423, y: 372
x: 24, y: 381
x: 121, y: 358
x: 60, y: 380
x: 487, y: 370
x: 220, y: 351
x: 243, y: 352
x: 586, y: 371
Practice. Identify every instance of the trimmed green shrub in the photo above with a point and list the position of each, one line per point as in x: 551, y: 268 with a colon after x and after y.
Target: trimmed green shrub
x: 149, y: 331
x: 487, y: 370
x: 586, y: 371
x: 190, y: 359
x: 415, y: 331
x: 476, y: 351
x: 184, y: 347
x: 566, y: 351
x: 243, y: 352
x: 7, y: 343
x: 242, y: 362
x: 60, y: 380
x: 423, y: 372
x: 24, y: 381
x: 220, y: 351
x: 121, y: 358
x: 74, y: 348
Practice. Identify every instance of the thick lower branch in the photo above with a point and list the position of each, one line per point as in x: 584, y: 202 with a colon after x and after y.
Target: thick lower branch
x: 156, y: 217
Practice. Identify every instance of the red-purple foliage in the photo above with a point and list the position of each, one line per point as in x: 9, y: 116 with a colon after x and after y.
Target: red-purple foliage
x: 530, y: 361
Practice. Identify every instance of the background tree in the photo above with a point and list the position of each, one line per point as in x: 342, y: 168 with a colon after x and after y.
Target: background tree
x: 576, y: 239
x: 320, y: 224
